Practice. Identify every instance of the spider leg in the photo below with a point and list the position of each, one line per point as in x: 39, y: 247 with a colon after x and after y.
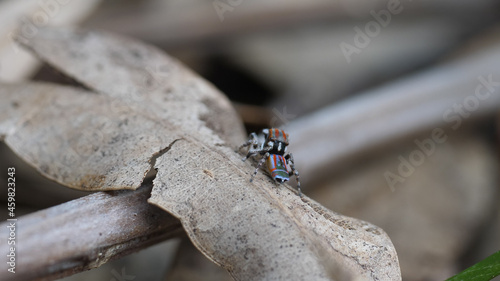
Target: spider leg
x: 262, y: 151
x: 250, y: 153
x: 261, y: 161
x: 253, y: 141
x: 290, y: 161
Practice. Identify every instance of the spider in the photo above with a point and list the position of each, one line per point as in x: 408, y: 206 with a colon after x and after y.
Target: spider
x: 272, y: 144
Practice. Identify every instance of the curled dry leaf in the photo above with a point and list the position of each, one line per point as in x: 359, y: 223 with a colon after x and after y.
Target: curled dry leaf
x: 153, y: 105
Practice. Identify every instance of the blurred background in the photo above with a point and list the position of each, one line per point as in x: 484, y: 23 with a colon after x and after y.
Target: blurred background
x: 392, y: 108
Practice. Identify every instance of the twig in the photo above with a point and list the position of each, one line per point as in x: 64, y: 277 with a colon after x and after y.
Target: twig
x: 164, y: 23
x: 441, y: 98
x: 85, y: 233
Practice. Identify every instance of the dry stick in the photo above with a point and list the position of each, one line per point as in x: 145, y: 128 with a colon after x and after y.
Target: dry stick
x: 86, y: 233
x: 437, y: 102
x: 212, y: 20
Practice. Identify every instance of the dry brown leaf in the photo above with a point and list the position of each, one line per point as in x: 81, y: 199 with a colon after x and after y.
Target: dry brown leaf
x: 257, y: 231
x: 80, y: 139
x: 141, y: 76
x: 17, y: 64
x: 261, y: 231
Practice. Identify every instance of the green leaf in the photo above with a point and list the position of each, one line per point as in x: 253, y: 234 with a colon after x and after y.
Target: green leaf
x: 486, y: 269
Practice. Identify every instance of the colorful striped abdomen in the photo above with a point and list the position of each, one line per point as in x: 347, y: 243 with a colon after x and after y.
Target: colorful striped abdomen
x: 276, y: 165
x: 278, y: 135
